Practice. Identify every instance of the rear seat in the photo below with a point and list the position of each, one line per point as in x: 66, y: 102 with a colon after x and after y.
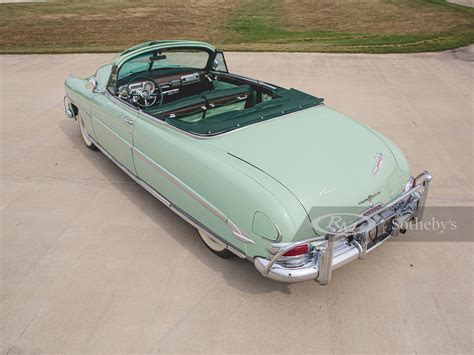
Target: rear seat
x: 209, y: 103
x: 224, y: 100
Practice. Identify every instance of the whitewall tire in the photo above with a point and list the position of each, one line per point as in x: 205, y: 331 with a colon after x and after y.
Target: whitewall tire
x: 215, y: 245
x: 84, y: 134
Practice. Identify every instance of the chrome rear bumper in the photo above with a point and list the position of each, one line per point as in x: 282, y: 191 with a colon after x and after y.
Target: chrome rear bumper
x: 335, y: 249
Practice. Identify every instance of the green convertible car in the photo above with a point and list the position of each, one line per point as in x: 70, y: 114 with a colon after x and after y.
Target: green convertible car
x: 265, y: 173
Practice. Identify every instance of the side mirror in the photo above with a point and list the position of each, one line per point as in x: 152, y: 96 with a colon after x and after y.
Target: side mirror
x: 92, y: 84
x: 215, y: 64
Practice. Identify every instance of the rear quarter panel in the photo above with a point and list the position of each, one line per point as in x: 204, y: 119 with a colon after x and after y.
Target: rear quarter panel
x: 218, y: 178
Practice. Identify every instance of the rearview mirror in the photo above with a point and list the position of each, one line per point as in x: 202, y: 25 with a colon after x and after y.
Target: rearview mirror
x: 157, y: 57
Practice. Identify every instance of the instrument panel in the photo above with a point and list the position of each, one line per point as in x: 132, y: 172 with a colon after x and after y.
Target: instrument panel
x: 169, y: 85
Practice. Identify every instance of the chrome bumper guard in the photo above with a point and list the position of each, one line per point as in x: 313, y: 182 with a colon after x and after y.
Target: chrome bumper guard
x: 338, y: 248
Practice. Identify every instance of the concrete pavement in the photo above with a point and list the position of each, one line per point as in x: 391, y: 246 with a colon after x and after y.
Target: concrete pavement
x: 469, y: 3
x: 90, y: 262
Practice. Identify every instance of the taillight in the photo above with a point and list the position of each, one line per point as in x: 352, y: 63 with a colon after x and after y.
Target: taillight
x: 298, y: 250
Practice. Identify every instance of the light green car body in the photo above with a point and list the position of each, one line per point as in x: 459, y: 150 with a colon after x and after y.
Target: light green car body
x: 252, y: 186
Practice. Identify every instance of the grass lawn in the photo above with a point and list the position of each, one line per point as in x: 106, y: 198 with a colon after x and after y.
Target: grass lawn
x: 365, y: 26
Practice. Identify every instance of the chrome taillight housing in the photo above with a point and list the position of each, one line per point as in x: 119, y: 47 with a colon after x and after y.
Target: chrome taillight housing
x: 298, y: 256
x: 410, y: 184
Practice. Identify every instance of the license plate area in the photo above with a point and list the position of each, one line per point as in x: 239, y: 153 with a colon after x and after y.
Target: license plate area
x: 379, y: 233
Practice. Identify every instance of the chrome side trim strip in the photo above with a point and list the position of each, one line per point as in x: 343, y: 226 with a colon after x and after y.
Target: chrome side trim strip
x: 167, y: 203
x: 240, y: 235
x: 196, y: 224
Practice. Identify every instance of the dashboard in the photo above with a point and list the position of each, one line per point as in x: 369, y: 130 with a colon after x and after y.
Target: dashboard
x: 141, y: 90
x: 172, y: 86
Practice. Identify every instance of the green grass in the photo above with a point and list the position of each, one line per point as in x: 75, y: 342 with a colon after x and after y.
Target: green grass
x: 357, y: 26
x: 261, y: 27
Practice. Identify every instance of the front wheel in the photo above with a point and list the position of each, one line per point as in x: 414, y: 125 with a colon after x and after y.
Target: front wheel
x: 217, y: 247
x: 85, y: 135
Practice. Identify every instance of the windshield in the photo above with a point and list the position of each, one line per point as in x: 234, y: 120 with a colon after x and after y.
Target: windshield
x: 164, y: 59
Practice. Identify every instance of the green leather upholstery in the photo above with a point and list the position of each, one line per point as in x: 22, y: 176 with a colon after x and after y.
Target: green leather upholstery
x: 198, y: 101
x: 284, y: 102
x: 184, y: 103
x: 217, y: 94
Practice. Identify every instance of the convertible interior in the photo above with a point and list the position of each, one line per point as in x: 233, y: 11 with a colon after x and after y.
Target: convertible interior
x: 206, y: 101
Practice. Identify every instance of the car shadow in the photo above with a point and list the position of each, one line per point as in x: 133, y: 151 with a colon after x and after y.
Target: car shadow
x: 237, y: 273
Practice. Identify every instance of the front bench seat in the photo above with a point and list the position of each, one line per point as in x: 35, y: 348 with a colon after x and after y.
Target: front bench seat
x: 209, y: 103
x: 189, y: 109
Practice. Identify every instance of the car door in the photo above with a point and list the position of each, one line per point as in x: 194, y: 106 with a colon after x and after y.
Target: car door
x: 113, y: 126
x: 167, y: 163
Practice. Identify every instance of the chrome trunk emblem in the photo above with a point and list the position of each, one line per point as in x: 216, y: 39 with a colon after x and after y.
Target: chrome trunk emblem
x: 369, y: 199
x: 378, y: 163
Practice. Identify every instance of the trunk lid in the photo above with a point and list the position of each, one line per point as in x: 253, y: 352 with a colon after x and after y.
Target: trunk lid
x: 322, y: 157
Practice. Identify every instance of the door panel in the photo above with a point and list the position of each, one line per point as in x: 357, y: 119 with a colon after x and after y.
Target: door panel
x: 113, y: 126
x: 163, y: 163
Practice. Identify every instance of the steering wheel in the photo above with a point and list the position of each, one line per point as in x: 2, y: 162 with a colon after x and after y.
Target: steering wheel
x: 146, y: 95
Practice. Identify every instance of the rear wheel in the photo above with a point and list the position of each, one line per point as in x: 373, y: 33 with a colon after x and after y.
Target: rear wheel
x: 85, y: 135
x: 217, y: 247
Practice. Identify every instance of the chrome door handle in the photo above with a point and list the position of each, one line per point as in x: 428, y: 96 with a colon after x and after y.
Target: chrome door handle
x: 128, y: 120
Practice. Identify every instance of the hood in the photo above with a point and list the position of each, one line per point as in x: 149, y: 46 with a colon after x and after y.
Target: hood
x: 322, y: 157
